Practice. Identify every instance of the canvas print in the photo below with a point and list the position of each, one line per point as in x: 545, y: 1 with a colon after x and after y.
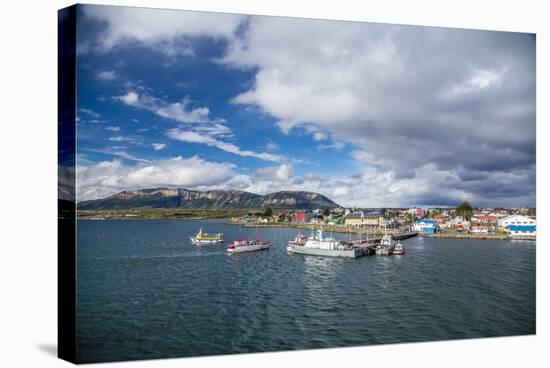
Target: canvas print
x: 238, y: 183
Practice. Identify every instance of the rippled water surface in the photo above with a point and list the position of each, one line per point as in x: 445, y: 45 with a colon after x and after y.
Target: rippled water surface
x: 145, y: 292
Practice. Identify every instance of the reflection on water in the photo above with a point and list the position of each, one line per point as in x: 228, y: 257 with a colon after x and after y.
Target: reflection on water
x: 144, y: 291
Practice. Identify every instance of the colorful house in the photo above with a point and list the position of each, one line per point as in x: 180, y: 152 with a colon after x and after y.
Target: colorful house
x: 300, y: 217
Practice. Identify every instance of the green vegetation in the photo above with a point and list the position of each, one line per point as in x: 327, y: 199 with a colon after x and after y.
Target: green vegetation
x: 160, y: 213
x: 268, y: 212
x: 465, y: 210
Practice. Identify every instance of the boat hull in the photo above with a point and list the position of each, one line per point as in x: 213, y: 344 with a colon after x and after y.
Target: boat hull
x: 350, y: 253
x: 249, y: 248
x: 203, y: 241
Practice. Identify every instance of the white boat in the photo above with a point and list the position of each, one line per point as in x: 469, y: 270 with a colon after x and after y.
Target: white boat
x: 204, y: 238
x: 300, y: 239
x: 386, y: 247
x: 242, y: 245
x: 318, y: 245
x: 399, y: 249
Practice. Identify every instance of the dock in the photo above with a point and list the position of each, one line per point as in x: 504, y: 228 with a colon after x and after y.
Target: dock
x: 369, y: 246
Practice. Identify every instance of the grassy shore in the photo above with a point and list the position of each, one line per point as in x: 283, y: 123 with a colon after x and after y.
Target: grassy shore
x: 159, y: 214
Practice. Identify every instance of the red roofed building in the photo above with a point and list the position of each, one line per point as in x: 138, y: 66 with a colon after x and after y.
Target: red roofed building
x: 487, y: 219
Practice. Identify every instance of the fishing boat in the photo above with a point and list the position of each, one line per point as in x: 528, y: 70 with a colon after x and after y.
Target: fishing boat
x: 204, y: 238
x: 399, y: 249
x: 318, y: 245
x: 243, y: 245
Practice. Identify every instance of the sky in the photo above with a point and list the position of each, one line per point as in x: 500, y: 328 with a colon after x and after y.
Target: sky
x: 368, y: 114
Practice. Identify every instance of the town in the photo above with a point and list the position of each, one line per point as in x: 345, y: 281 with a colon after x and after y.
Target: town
x: 460, y: 222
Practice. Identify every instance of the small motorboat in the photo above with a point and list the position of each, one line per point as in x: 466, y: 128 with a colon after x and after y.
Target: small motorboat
x: 399, y: 249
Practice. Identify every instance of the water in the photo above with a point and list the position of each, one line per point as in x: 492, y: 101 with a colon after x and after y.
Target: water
x: 145, y: 292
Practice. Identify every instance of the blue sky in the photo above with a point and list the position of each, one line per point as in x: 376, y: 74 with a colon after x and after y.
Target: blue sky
x: 354, y: 111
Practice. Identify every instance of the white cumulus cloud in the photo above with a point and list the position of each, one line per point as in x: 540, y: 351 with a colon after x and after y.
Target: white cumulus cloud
x: 109, y: 177
x: 158, y: 146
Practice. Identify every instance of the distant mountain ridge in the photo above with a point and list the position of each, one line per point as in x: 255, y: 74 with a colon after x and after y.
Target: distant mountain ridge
x: 210, y: 199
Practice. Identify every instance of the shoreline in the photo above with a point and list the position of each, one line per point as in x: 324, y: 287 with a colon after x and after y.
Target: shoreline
x: 477, y: 236
x: 326, y: 228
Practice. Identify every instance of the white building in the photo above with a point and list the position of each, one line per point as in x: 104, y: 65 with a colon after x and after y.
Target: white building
x: 479, y: 230
x: 517, y: 220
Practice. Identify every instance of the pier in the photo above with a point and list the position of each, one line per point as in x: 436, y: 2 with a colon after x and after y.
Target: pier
x: 369, y: 246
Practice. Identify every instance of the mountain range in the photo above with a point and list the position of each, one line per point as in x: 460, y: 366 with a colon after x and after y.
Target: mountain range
x: 211, y: 199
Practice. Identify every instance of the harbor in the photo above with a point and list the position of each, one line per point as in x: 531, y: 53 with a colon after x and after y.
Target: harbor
x: 316, y: 244
x: 273, y: 300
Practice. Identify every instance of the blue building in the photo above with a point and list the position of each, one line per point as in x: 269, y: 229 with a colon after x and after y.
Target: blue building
x: 522, y: 230
x: 425, y: 226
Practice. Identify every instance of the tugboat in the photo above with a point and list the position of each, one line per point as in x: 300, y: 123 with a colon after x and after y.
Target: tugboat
x: 242, y: 245
x: 204, y: 238
x: 320, y: 246
x: 399, y: 249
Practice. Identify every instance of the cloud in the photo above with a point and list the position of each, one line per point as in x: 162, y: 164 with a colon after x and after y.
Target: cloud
x: 130, y: 98
x: 113, y: 128
x: 178, y: 111
x: 158, y: 146
x: 431, y: 115
x: 116, y: 151
x: 90, y: 113
x: 169, y: 31
x: 272, y: 146
x: 109, y: 177
x: 429, y: 186
x: 107, y: 75
x: 195, y: 137
x: 202, y: 128
x: 336, y: 145
x: 66, y: 182
x: 119, y: 139
x: 281, y: 173
x: 319, y: 136
x: 405, y: 97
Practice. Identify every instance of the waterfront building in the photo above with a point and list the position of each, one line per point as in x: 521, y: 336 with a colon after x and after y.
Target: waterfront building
x: 479, y: 229
x: 424, y: 226
x: 362, y: 220
x: 517, y: 220
x: 521, y: 230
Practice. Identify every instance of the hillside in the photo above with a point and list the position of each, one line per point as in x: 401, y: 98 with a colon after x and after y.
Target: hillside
x: 211, y: 199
